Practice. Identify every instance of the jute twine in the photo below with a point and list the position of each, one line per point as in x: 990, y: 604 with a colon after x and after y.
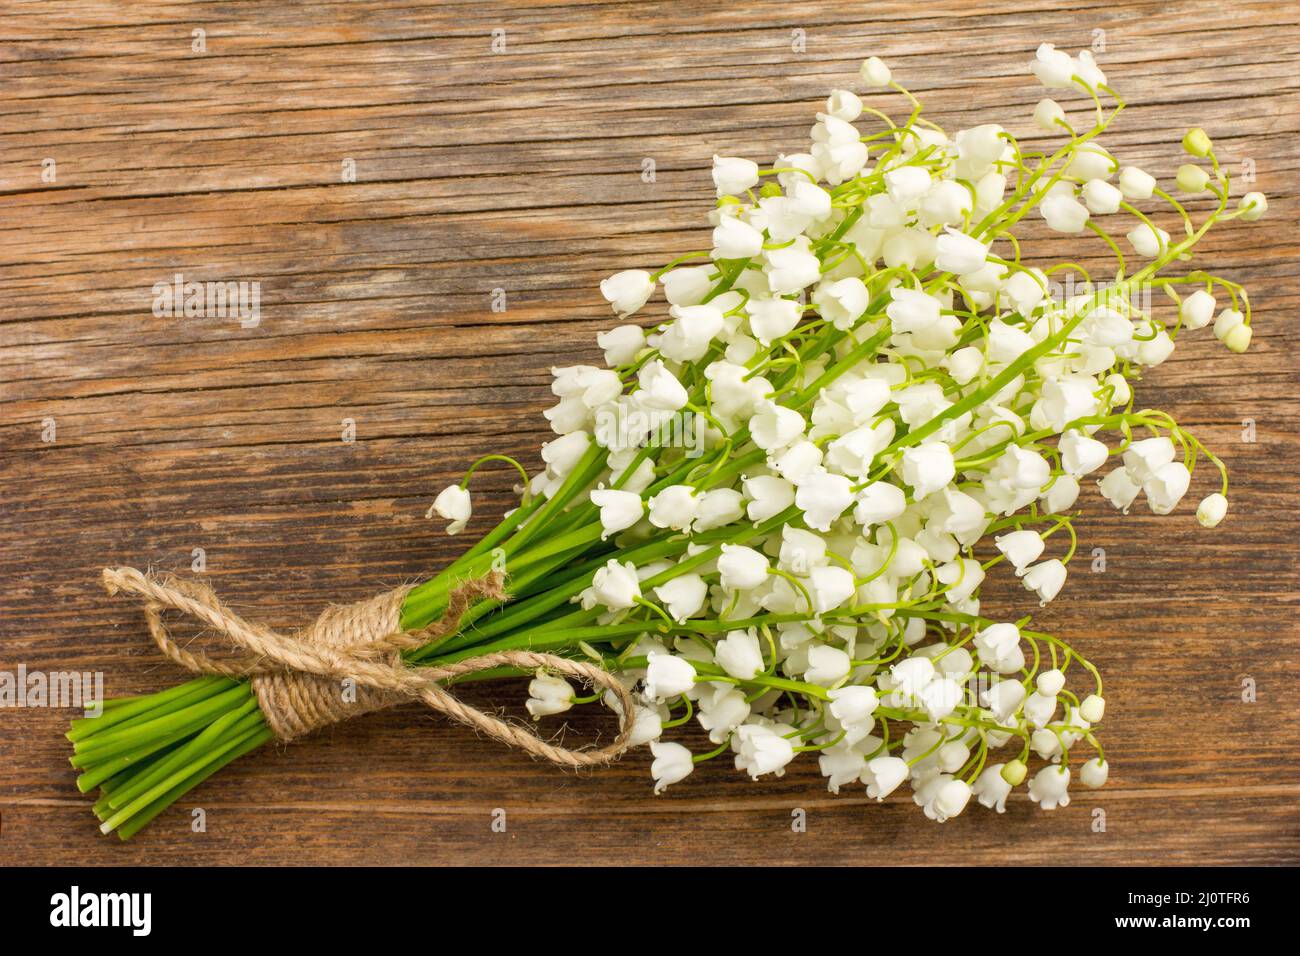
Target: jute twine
x: 298, y: 678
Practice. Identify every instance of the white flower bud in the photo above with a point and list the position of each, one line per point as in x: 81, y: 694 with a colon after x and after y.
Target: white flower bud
x: 964, y: 364
x: 1094, y: 773
x: 907, y: 184
x: 647, y: 725
x: 1101, y: 197
x: 1004, y: 698
x: 1121, y: 391
x: 874, y: 73
x: 688, y: 285
x: 1050, y: 682
x: 1045, y: 743
x: 1054, y: 68
x: 1142, y: 458
x: 1192, y: 178
x: 1048, y: 115
x: 1119, y: 488
x: 912, y: 311
x: 823, y: 497
x: 1228, y: 320
x: 774, y: 426
x: 741, y: 568
x: 999, y: 648
x: 1062, y: 495
x: 1090, y: 161
x: 879, y: 502
x: 1087, y: 69
x: 1254, y: 205
x: 688, y: 338
x: 947, y: 203
x: 842, y: 303
x: 951, y: 800
x: 792, y: 268
x: 1238, y: 339
x: 910, y: 676
x: 1092, y: 709
x: 1197, y: 310
x: 1135, y: 184
x: 1147, y: 241
x: 940, y: 698
x: 1064, y: 213
x: 760, y: 750
x: 722, y: 712
x: 1211, y: 510
x: 844, y: 105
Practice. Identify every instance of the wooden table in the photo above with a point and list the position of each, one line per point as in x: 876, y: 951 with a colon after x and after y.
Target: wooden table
x: 380, y: 171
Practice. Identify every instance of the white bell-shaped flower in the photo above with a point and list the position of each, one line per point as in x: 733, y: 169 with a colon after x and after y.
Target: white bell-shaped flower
x: 674, y: 507
x: 1022, y: 548
x: 1050, y: 787
x: 1045, y: 579
x: 619, y: 510
x: 668, y: 676
x: 453, y: 503
x: 672, y: 763
x: 733, y: 175
x: 616, y: 585
x: 627, y: 291
x: 547, y: 695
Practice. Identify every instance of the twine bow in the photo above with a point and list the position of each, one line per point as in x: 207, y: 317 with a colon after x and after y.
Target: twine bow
x: 297, y: 679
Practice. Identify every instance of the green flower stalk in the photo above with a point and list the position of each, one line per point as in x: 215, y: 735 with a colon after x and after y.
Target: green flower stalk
x: 770, y: 513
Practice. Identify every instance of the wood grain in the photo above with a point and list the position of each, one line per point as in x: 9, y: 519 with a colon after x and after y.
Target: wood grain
x: 521, y: 170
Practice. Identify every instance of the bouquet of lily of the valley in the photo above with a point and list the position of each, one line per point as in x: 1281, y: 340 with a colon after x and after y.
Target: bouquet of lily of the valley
x: 771, y: 514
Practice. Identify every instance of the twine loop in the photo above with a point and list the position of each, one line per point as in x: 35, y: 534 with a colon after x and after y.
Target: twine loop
x: 298, y: 678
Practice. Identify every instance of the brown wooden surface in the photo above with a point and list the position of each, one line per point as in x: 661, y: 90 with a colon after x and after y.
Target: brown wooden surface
x: 522, y: 170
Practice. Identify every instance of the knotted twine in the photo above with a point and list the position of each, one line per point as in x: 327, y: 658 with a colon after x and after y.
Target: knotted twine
x: 298, y: 678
